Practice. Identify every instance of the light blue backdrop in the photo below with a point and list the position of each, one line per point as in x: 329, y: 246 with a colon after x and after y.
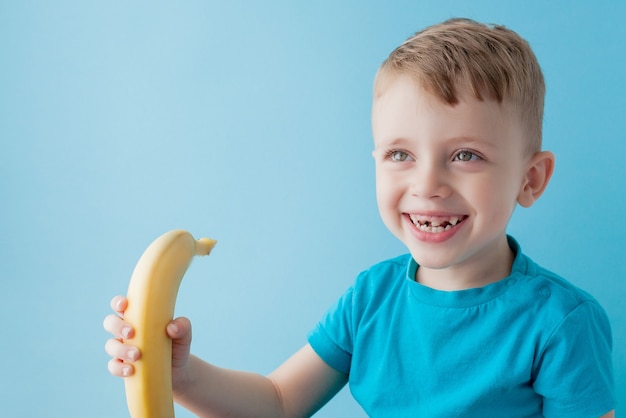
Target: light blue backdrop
x: 249, y: 122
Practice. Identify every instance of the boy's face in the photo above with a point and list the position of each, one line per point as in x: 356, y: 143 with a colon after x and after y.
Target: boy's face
x: 447, y: 181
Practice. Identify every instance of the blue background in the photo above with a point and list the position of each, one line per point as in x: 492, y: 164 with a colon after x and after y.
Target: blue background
x: 249, y: 122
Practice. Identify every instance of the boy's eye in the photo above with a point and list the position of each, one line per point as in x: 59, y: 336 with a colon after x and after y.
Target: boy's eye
x: 397, y: 156
x: 466, y: 155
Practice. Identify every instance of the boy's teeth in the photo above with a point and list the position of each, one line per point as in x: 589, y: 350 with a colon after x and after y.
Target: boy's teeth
x: 435, y: 224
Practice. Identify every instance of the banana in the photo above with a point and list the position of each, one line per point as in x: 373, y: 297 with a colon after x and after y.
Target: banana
x: 151, y: 298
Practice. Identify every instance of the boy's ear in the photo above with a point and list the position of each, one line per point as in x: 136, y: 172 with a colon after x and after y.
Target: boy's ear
x: 540, y: 169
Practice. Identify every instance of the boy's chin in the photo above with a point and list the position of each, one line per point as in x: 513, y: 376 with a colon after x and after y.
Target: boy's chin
x: 431, y: 261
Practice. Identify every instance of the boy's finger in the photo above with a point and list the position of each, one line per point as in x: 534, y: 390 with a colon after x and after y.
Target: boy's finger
x: 119, y: 304
x: 118, y: 368
x: 120, y: 351
x: 179, y: 328
x: 116, y: 326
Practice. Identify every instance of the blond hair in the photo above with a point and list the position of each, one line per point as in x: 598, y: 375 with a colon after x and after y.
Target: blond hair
x: 490, y: 61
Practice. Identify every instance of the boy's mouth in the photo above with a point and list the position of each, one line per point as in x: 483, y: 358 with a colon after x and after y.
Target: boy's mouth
x: 436, y: 223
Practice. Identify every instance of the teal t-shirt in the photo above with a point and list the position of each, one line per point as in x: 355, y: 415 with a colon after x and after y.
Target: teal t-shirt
x: 529, y: 345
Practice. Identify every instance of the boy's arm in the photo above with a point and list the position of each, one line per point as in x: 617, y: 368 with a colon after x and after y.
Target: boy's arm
x: 298, y: 388
x: 306, y: 383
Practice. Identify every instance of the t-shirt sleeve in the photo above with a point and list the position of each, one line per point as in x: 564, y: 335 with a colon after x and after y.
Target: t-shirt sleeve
x: 331, y: 338
x: 574, y: 372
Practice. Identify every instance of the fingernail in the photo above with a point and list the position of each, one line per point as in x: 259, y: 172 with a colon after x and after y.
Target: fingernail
x: 132, y: 354
x: 173, y: 328
x: 125, y: 332
x: 126, y: 371
x: 118, y: 304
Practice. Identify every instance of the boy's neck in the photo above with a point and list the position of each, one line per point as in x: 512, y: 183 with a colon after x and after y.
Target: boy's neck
x: 483, y: 270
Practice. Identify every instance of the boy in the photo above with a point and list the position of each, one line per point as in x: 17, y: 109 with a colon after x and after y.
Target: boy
x: 466, y: 324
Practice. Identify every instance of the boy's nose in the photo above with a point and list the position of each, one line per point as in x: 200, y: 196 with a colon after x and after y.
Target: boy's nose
x: 429, y: 182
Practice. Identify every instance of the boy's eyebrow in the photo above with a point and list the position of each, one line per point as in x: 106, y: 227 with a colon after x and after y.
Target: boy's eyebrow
x: 465, y: 140
x: 473, y: 140
x: 395, y: 141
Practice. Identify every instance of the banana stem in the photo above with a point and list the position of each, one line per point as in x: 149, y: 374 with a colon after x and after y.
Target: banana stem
x: 204, y: 246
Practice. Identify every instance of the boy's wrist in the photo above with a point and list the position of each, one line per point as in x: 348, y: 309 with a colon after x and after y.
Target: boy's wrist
x: 184, y: 379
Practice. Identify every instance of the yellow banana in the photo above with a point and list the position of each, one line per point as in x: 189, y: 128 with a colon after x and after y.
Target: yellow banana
x: 151, y: 297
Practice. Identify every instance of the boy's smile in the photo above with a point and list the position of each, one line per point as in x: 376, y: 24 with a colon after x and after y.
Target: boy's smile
x: 436, y: 228
x: 448, y: 179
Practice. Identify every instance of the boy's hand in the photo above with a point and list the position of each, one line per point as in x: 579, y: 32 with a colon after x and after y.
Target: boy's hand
x: 123, y: 355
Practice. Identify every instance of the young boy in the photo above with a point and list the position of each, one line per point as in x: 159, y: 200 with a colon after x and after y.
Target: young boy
x: 466, y: 324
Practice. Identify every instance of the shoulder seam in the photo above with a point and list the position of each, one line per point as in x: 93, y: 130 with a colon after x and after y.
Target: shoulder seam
x: 558, y: 325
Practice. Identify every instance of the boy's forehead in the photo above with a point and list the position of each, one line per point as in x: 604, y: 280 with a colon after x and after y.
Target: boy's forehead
x: 403, y: 108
